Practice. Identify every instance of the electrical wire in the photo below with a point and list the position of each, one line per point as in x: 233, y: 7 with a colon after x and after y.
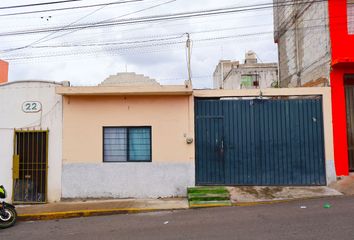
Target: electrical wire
x: 135, y: 47
x: 213, y: 39
x: 68, y: 8
x: 124, y: 15
x: 172, y: 36
x: 76, y: 21
x: 322, y: 27
x: 153, y: 43
x: 176, y: 16
x: 42, y: 39
x: 39, y: 4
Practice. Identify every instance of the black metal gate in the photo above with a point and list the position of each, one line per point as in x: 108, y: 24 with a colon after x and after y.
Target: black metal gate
x: 260, y: 142
x: 30, y: 166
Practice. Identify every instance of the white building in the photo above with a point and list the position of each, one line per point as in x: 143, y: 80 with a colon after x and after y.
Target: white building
x: 251, y: 74
x: 31, y: 148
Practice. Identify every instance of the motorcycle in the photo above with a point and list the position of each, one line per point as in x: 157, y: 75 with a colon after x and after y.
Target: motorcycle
x: 8, y: 214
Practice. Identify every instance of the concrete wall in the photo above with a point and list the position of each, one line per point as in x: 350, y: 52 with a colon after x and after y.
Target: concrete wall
x: 302, y: 34
x: 12, y: 96
x: 127, y: 180
x: 227, y: 74
x: 171, y: 171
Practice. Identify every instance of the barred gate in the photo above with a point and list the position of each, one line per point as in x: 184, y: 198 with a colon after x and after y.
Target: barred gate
x: 30, y: 165
x: 263, y: 142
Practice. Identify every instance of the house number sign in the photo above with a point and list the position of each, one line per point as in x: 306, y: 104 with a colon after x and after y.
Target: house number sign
x: 31, y: 106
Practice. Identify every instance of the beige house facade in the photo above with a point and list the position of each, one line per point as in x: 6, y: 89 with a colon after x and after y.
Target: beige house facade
x: 127, y: 141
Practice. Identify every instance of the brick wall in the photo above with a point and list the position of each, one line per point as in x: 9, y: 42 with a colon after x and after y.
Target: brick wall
x: 302, y: 34
x: 350, y: 13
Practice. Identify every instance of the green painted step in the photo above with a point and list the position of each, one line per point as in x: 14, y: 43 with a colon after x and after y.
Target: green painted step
x: 208, y: 197
x: 207, y: 190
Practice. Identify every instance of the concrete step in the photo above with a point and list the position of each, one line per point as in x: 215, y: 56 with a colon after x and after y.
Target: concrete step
x: 208, y: 197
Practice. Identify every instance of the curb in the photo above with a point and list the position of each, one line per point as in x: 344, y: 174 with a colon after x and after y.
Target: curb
x: 250, y: 204
x: 89, y: 213
x: 208, y: 206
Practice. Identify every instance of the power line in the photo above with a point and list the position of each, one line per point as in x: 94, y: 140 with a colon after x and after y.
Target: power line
x: 126, y: 49
x: 76, y: 21
x: 150, y: 38
x: 39, y: 4
x: 168, y: 37
x: 124, y: 15
x: 112, y: 43
x: 68, y: 8
x: 154, y: 45
x: 43, y: 39
x: 150, y: 45
x: 111, y: 52
x: 177, y: 16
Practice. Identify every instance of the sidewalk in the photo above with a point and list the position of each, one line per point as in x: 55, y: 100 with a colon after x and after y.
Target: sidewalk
x: 239, y: 196
x: 95, y: 208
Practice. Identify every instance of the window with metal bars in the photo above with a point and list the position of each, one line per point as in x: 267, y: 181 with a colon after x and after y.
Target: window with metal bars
x: 350, y: 13
x: 127, y: 144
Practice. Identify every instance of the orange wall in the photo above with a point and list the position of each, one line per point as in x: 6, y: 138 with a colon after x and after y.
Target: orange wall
x: 4, y: 71
x: 171, y: 119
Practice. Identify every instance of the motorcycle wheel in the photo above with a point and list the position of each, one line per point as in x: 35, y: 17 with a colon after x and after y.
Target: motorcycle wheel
x: 10, y: 220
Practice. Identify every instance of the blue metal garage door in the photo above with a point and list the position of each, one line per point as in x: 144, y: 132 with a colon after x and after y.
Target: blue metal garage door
x: 260, y: 142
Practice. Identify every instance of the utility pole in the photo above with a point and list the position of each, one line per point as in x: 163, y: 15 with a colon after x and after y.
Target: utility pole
x: 188, y: 46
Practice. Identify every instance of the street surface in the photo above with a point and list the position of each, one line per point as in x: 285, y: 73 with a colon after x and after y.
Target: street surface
x: 306, y: 219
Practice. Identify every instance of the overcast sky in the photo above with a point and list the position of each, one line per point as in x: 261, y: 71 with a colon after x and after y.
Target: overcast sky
x: 64, y: 57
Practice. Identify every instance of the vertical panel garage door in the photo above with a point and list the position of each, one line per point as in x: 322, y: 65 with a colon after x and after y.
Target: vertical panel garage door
x: 260, y: 142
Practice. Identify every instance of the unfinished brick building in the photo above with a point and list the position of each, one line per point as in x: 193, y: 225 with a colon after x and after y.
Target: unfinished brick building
x: 316, y: 48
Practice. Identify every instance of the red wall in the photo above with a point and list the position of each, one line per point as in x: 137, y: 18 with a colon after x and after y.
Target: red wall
x: 339, y: 120
x: 342, y: 63
x: 342, y: 42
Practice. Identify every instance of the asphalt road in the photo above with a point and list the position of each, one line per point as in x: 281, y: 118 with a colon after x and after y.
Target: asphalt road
x: 282, y: 221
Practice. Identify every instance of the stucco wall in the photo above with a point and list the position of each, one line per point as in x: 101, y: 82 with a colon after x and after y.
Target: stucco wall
x: 172, y: 167
x: 12, y: 96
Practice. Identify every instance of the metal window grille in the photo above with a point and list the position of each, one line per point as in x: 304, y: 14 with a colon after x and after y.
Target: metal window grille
x: 127, y: 144
x: 350, y: 13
